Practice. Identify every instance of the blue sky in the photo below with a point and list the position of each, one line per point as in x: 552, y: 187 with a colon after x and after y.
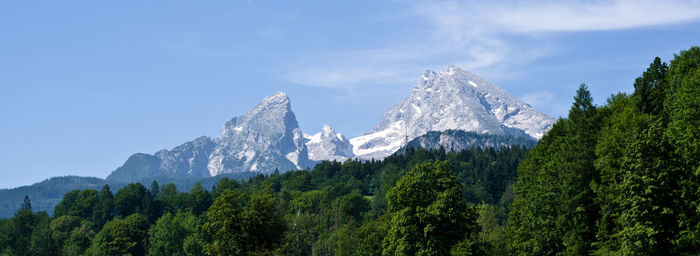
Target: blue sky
x: 84, y: 84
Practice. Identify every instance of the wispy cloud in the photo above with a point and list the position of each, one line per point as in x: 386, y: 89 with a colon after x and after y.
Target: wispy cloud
x: 483, y: 36
x: 546, y: 101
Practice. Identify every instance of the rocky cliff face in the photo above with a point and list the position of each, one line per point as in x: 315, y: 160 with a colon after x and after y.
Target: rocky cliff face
x: 451, y: 100
x: 328, y: 145
x: 265, y: 139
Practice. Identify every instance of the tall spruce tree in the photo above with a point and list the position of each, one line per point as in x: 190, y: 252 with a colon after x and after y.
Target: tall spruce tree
x: 554, y: 210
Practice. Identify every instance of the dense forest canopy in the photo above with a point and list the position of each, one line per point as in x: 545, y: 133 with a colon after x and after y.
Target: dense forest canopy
x: 618, y: 179
x: 328, y: 210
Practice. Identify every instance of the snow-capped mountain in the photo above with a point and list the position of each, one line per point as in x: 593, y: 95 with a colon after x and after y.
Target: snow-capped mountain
x: 328, y: 145
x: 454, y: 99
x: 266, y: 138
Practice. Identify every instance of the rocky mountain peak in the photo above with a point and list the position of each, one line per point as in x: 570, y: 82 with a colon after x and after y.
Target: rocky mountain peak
x: 452, y: 99
x: 268, y: 137
x: 328, y: 145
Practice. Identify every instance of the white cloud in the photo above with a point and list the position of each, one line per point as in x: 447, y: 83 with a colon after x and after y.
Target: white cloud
x: 479, y: 36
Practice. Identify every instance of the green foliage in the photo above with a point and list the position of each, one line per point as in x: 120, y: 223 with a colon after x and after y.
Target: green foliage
x: 122, y: 236
x: 133, y: 198
x: 197, y: 201
x: 104, y: 207
x: 429, y: 216
x: 335, y: 209
x: 627, y: 172
x: 244, y: 226
x: 77, y: 203
x: 176, y: 235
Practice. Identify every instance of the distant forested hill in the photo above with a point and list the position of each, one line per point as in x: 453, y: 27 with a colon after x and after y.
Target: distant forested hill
x: 45, y: 195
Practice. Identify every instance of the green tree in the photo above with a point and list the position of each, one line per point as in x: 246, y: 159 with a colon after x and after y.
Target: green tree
x: 649, y: 89
x: 40, y: 242
x: 245, y: 226
x: 104, y: 207
x: 77, y: 203
x: 578, y: 213
x: 166, y: 236
x: 132, y: 198
x: 429, y: 216
x: 224, y: 225
x: 683, y: 134
x: 198, y: 200
x: 22, y: 226
x: 122, y: 236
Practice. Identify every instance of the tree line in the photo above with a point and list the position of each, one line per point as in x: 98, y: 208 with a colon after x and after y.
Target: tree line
x: 350, y: 208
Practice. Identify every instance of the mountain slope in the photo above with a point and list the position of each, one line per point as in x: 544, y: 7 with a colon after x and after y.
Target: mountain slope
x: 457, y: 140
x: 454, y: 99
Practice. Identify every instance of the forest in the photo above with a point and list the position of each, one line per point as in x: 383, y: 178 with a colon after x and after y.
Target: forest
x: 618, y: 179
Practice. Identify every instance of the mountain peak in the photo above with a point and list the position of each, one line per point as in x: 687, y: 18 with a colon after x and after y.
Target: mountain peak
x: 327, y: 130
x: 452, y: 99
x: 451, y: 69
x: 268, y: 137
x: 276, y: 98
x: 328, y: 145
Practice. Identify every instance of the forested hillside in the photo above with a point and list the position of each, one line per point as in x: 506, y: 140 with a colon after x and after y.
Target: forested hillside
x: 336, y: 208
x: 618, y: 179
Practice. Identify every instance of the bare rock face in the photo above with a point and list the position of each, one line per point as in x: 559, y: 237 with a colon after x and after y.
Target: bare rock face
x: 266, y: 138
x: 451, y: 100
x: 328, y: 145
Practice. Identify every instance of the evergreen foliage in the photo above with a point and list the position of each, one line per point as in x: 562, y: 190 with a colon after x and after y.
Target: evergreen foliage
x: 620, y: 179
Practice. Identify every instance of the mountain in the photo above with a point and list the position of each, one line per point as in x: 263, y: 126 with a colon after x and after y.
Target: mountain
x: 187, y: 160
x: 265, y: 139
x: 457, y: 140
x: 328, y: 145
x: 45, y: 195
x: 451, y: 100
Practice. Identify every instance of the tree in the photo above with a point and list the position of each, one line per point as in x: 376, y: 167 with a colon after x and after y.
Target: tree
x: 198, y: 200
x: 578, y: 212
x: 224, y: 225
x: 104, y: 207
x: 169, y: 198
x: 40, y: 242
x: 264, y: 225
x: 649, y: 89
x: 166, y: 236
x: 429, y: 216
x: 132, y: 198
x: 244, y: 226
x: 122, y: 236
x: 22, y: 226
x: 683, y: 134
